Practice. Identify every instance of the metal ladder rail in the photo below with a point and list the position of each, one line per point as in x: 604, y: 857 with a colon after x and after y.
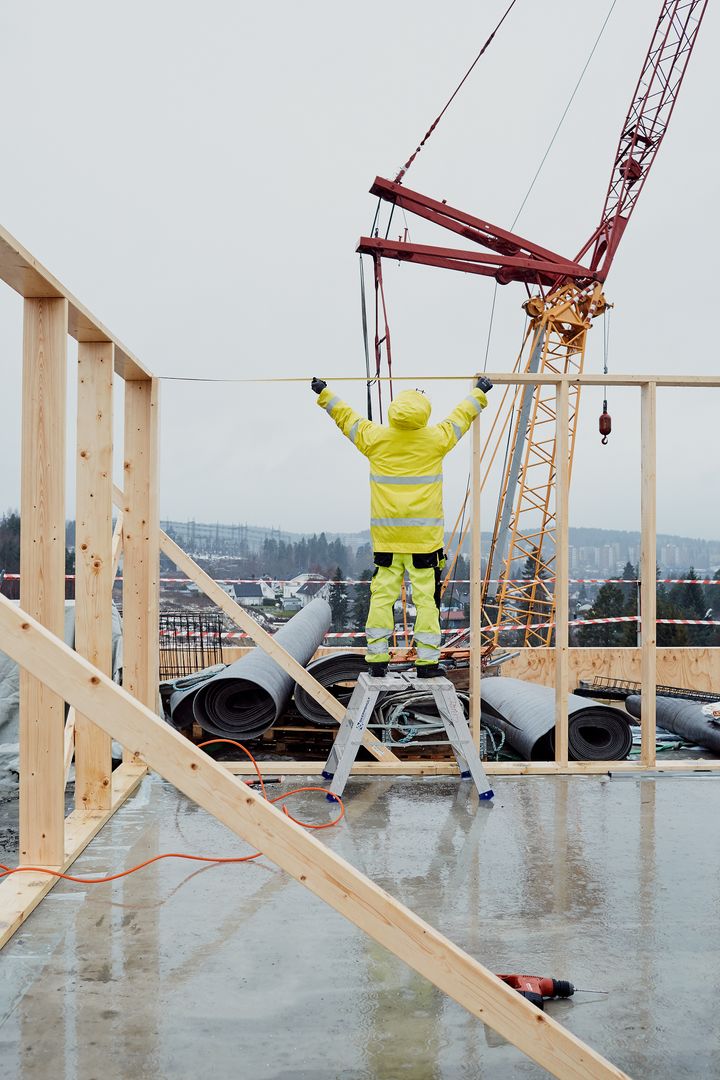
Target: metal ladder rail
x: 360, y: 709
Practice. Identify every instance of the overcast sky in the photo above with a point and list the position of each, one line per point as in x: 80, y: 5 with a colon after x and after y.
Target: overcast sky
x: 198, y: 176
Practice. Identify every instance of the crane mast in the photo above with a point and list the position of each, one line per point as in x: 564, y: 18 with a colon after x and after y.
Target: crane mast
x: 518, y: 589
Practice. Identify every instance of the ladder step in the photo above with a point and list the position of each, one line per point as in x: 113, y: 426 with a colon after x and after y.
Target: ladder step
x: 360, y: 710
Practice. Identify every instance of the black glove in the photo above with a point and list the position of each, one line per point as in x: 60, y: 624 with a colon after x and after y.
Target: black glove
x: 484, y: 384
x: 317, y: 386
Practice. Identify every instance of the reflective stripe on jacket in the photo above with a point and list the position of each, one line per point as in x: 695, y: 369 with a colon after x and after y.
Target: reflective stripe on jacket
x: 406, y: 501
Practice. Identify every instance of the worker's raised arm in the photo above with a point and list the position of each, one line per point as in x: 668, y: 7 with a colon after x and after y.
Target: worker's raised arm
x: 358, y: 430
x: 463, y: 414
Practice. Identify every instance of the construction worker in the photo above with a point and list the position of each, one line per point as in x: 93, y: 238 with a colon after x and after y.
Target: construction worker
x: 406, y: 527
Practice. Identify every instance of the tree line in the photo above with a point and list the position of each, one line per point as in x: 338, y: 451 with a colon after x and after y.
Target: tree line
x: 10, y: 557
x: 690, y: 600
x: 334, y: 560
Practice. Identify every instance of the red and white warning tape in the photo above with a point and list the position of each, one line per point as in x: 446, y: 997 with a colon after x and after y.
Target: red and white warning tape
x: 457, y: 581
x: 235, y: 635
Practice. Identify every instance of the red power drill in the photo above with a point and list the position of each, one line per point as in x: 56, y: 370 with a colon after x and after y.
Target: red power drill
x: 537, y: 989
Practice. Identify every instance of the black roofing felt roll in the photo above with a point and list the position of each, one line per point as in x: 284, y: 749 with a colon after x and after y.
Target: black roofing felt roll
x: 525, y: 713
x: 245, y: 699
x: 682, y: 718
x: 337, y: 673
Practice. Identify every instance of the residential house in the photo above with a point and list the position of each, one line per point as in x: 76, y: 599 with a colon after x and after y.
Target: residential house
x: 253, y: 593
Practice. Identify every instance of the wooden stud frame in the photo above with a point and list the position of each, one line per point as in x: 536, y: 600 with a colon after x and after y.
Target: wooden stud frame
x: 54, y: 674
x: 94, y: 559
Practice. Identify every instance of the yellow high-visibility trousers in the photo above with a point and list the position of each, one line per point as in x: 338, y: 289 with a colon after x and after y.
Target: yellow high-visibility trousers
x: 384, y: 591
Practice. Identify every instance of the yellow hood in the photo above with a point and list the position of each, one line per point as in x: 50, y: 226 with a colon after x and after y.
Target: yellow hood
x: 410, y: 410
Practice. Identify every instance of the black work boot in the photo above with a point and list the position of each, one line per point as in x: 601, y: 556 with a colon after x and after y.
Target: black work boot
x: 427, y: 671
x: 377, y: 670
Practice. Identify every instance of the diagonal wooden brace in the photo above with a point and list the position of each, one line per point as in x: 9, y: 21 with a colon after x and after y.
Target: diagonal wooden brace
x: 267, y: 642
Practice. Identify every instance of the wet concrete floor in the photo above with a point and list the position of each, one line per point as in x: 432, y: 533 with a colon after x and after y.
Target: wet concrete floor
x: 237, y: 971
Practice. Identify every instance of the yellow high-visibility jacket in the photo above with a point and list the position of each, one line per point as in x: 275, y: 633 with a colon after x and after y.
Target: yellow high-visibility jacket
x: 406, y: 458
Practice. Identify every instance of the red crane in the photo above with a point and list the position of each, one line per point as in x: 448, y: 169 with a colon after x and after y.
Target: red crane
x: 569, y: 296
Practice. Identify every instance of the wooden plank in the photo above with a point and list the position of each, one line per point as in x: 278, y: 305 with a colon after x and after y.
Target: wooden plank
x: 694, y: 667
x: 475, y: 585
x: 141, y: 551
x: 648, y: 569
x: 20, y: 894
x: 697, y: 668
x: 266, y: 642
x: 677, y: 666
x: 27, y: 276
x: 42, y: 572
x: 297, y: 852
x: 592, y: 379
x: 562, y: 571
x: 492, y: 768
x: 504, y: 378
x: 93, y: 559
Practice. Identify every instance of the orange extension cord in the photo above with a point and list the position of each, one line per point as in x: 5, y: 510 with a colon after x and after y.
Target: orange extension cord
x: 6, y: 870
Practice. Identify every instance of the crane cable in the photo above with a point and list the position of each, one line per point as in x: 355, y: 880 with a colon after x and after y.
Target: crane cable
x: 379, y: 287
x: 550, y: 145
x: 605, y: 422
x: 448, y: 103
x: 366, y: 343
x: 545, y: 156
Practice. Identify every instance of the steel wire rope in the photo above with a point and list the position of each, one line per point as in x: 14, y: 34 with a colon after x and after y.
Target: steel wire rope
x: 508, y: 441
x: 452, y: 97
x: 564, y: 114
x: 178, y: 378
x: 404, y: 170
x: 546, y: 154
x: 457, y: 555
x: 366, y: 342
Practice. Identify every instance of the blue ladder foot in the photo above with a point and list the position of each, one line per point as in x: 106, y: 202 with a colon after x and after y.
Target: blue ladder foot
x: 331, y: 798
x: 487, y: 794
x: 327, y: 775
x: 464, y: 775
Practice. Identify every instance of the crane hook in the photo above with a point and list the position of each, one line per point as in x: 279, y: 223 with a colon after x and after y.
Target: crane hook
x: 605, y: 424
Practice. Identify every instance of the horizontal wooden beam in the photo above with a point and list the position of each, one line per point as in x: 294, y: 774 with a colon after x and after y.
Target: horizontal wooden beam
x: 21, y: 893
x: 492, y: 768
x: 27, y: 276
x: 523, y: 378
x: 296, y: 851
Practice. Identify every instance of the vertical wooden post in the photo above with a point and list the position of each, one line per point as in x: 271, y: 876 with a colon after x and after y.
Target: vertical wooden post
x: 93, y: 560
x: 475, y: 586
x: 562, y: 570
x: 141, y: 542
x: 648, y: 570
x: 42, y: 574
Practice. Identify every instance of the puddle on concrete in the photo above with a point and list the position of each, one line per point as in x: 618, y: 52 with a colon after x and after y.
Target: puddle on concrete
x: 237, y: 971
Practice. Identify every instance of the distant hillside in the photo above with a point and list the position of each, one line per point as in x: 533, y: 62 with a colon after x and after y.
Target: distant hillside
x: 218, y: 538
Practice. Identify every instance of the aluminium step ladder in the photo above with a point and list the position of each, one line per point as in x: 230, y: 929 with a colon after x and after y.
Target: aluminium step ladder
x: 360, y: 709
